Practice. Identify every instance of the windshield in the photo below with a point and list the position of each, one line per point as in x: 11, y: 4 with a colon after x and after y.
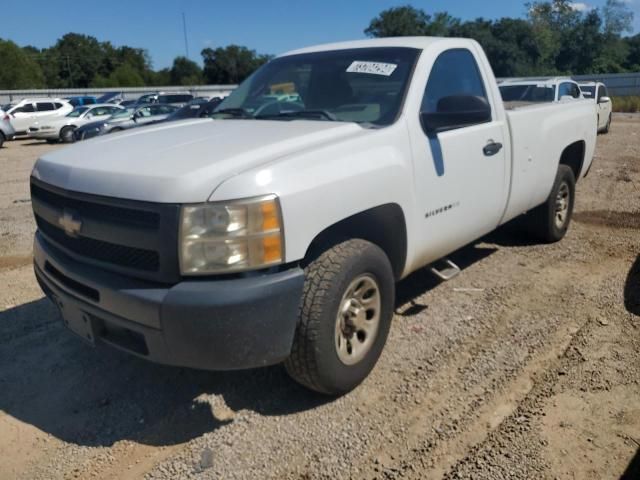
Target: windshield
x: 589, y: 92
x: 528, y: 93
x: 123, y: 113
x: 365, y: 85
x: 77, y: 112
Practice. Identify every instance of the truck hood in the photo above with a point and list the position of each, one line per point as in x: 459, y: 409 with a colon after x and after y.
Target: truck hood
x: 181, y: 162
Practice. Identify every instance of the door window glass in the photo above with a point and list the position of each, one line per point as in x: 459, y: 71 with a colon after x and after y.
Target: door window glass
x: 455, y: 72
x: 44, y: 107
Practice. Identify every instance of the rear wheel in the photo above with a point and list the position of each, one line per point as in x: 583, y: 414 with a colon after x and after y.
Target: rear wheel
x: 2, y: 139
x: 550, y: 221
x: 66, y: 134
x: 345, y: 315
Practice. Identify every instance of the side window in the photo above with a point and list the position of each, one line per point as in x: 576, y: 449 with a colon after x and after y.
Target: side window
x: 44, y: 107
x: 565, y: 90
x: 455, y: 72
x: 569, y: 89
x: 58, y: 105
x: 575, y: 91
x: 26, y: 108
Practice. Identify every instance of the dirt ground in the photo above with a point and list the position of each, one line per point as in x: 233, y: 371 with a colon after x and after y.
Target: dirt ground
x: 526, y: 366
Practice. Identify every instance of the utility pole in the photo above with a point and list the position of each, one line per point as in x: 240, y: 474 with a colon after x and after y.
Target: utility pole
x: 70, y: 74
x: 184, y: 28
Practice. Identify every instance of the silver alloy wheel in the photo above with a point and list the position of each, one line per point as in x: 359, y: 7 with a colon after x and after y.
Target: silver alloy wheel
x: 67, y: 135
x: 563, y: 200
x: 358, y: 319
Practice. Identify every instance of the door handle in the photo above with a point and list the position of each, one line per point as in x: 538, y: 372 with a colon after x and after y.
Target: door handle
x: 492, y: 148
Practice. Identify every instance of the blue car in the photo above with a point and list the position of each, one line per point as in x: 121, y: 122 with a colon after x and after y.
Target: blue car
x: 78, y: 101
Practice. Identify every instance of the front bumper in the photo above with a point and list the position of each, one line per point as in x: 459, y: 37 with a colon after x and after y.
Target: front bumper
x: 207, y: 324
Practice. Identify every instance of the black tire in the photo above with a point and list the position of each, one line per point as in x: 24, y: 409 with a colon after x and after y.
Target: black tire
x: 608, y: 127
x: 544, y: 222
x: 314, y: 361
x: 66, y: 135
x: 2, y: 139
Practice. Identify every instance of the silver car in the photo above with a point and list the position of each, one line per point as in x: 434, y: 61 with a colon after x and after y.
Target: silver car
x: 127, y: 118
x: 139, y: 116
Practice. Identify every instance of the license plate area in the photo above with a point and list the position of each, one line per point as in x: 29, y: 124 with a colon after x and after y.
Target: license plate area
x: 76, y: 320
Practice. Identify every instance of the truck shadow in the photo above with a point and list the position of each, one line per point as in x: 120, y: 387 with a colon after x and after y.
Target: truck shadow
x: 632, y: 289
x: 633, y: 470
x: 97, y: 396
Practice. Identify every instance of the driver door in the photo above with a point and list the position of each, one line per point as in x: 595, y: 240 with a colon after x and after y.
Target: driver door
x: 464, y: 185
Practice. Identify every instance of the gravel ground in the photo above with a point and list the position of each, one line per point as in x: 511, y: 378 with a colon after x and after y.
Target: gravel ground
x: 525, y: 366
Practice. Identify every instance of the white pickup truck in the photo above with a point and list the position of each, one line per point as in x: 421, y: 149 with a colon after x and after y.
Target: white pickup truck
x: 276, y: 232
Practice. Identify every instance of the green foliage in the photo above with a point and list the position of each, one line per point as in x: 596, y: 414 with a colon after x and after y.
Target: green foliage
x: 399, y: 22
x: 123, y: 76
x: 230, y: 64
x: 555, y: 38
x: 18, y: 68
x: 185, y: 72
x: 626, y: 104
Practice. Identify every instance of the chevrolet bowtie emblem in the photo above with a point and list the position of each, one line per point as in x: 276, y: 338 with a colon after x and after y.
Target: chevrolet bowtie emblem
x: 70, y: 223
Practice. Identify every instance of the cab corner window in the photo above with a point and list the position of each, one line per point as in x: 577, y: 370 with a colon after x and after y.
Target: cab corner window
x: 455, y: 95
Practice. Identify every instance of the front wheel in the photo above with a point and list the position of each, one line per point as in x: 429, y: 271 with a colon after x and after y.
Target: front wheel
x: 550, y: 221
x: 2, y: 139
x: 66, y: 135
x: 345, y: 316
x: 608, y: 127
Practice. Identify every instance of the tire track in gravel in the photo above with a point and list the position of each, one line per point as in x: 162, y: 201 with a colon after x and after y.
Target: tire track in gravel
x: 432, y: 452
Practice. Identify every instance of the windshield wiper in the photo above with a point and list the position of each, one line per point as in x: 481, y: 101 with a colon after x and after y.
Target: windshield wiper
x: 235, y: 112
x: 310, y: 114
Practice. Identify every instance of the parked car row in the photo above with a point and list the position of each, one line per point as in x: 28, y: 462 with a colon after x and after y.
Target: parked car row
x: 56, y: 119
x: 524, y: 91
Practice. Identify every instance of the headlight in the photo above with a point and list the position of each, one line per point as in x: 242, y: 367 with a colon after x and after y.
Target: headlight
x: 231, y: 236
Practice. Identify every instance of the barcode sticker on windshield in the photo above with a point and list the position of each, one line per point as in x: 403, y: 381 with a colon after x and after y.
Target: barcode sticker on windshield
x: 374, y: 68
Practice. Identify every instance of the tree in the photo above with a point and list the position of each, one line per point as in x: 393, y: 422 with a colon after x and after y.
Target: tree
x: 123, y: 76
x: 632, y: 62
x: 185, y: 72
x: 231, y: 64
x: 410, y: 21
x: 73, y: 61
x: 19, y: 68
x: 618, y: 18
x: 398, y: 22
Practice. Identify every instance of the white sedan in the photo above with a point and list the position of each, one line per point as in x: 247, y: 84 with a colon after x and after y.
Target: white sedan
x: 62, y: 128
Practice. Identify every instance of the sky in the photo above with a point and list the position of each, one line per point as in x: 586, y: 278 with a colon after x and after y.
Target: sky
x: 268, y: 26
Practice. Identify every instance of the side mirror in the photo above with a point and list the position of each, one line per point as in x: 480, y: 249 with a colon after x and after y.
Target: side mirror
x: 604, y: 100
x: 454, y: 112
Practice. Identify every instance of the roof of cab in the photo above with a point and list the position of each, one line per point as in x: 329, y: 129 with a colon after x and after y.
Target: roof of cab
x: 408, y: 42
